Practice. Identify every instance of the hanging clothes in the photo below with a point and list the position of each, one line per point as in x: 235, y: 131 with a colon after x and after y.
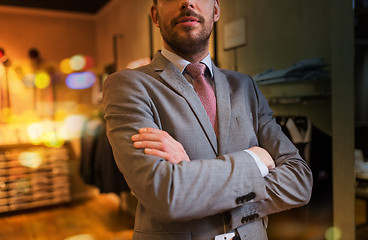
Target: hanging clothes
x: 107, y: 176
x: 98, y: 167
x: 300, y: 129
x: 315, y: 147
x: 92, y: 129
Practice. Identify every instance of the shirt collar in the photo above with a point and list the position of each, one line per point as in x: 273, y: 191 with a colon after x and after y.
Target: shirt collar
x: 181, y: 63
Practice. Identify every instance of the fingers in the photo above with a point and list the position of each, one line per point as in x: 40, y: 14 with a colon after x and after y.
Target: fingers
x: 159, y: 143
x: 150, y: 130
x: 264, y: 156
x: 155, y: 139
x: 151, y: 134
x: 168, y: 157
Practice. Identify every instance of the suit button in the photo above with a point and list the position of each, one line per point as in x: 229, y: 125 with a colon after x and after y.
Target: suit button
x: 243, y: 199
x: 254, y: 216
x: 249, y: 218
x: 245, y: 219
x: 250, y: 196
x: 239, y: 200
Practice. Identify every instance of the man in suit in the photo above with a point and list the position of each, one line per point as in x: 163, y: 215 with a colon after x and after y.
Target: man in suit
x: 197, y: 175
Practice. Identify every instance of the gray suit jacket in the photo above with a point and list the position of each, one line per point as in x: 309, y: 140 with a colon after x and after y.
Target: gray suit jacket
x: 221, y: 188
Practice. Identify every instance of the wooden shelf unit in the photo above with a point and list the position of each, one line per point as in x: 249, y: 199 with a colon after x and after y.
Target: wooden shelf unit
x: 33, y: 176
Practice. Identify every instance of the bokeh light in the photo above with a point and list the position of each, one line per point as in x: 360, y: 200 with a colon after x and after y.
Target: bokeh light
x: 30, y: 159
x: 52, y: 139
x: 74, y: 125
x: 138, y: 63
x: 90, y: 63
x: 55, y: 133
x: 80, y: 80
x: 35, y: 131
x: 65, y: 66
x: 5, y: 114
x: 333, y: 233
x: 29, y: 116
x: 81, y: 237
x: 2, y: 53
x: 60, y: 115
x: 77, y: 62
x: 42, y: 80
x: 14, y: 118
x: 29, y: 80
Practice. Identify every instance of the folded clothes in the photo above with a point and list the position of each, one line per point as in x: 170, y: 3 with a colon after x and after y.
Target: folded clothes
x: 307, y: 69
x: 361, y: 164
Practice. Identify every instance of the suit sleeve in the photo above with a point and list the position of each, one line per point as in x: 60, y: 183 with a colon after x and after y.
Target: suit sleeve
x: 186, y: 191
x: 289, y: 185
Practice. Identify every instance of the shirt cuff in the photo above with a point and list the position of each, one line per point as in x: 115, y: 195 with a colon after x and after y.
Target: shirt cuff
x: 261, y: 165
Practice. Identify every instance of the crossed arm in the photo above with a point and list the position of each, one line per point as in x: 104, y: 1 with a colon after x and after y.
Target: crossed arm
x: 159, y: 143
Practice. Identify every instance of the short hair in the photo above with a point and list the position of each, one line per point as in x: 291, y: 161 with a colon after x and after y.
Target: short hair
x: 155, y: 2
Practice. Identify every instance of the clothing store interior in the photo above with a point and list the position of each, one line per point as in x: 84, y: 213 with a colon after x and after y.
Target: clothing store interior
x: 58, y: 177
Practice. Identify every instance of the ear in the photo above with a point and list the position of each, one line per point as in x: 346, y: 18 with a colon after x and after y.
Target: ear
x: 154, y: 15
x: 216, y: 11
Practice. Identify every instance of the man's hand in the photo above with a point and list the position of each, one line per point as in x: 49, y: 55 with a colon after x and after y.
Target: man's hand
x: 159, y: 143
x: 264, y: 156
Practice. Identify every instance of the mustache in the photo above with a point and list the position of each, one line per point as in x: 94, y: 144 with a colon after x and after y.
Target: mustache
x: 187, y: 13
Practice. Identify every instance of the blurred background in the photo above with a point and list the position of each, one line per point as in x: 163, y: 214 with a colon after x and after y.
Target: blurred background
x: 58, y: 179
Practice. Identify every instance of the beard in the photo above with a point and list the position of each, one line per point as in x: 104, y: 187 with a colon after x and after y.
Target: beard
x: 189, y: 43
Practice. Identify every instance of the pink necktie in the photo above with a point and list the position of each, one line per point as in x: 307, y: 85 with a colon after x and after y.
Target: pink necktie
x: 204, y: 91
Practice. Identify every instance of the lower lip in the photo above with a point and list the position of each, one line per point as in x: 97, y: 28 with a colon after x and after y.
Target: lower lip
x: 188, y: 24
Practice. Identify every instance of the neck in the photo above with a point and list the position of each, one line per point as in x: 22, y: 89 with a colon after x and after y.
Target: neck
x: 192, y: 56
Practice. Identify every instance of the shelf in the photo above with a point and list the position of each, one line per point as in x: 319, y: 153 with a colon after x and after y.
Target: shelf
x: 33, y: 176
x: 297, y: 92
x: 278, y: 81
x: 298, y: 99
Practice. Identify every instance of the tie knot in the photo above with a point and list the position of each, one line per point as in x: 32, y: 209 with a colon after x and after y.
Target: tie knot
x: 196, y: 69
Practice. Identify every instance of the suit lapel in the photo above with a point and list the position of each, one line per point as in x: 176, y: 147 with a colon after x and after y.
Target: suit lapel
x: 173, y: 77
x: 223, y: 108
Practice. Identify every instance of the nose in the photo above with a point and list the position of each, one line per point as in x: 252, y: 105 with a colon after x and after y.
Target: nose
x: 187, y: 4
